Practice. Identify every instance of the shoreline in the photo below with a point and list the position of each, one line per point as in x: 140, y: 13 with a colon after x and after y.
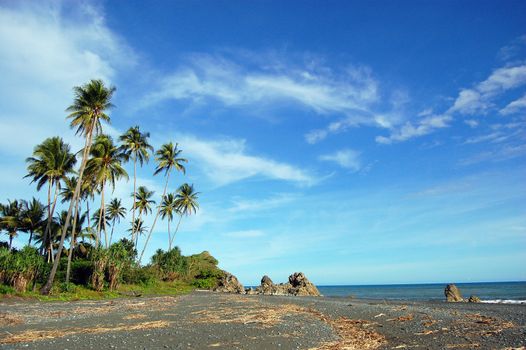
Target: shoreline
x: 202, y: 319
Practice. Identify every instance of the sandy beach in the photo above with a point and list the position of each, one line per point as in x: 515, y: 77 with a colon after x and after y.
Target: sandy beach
x: 203, y: 320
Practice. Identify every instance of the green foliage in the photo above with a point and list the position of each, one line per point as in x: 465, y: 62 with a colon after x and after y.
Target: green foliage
x: 81, y: 271
x: 144, y: 276
x: 171, y: 264
x: 19, y: 268
x: 68, y: 287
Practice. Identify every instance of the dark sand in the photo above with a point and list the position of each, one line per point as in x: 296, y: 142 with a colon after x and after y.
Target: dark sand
x: 204, y: 320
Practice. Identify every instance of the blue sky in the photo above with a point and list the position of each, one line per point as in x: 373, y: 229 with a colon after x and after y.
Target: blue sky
x: 358, y: 142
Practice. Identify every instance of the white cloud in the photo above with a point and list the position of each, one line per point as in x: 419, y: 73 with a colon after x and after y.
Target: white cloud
x: 479, y: 99
x: 422, y: 127
x: 226, y: 161
x: 243, y: 205
x: 472, y: 123
x: 47, y: 48
x: 346, y: 158
x: 516, y: 106
x: 224, y: 80
x: 381, y: 121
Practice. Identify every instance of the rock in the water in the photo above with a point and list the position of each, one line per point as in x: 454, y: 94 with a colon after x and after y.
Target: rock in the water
x: 230, y: 284
x: 474, y: 299
x: 301, y: 286
x: 452, y: 294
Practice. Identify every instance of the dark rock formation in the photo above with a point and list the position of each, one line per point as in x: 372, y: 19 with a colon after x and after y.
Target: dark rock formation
x: 474, y: 299
x: 452, y: 294
x: 229, y: 284
x: 301, y: 286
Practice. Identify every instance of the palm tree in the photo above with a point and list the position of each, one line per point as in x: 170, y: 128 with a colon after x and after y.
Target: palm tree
x: 138, y: 227
x: 167, y: 158
x: 168, y: 208
x: 135, y: 144
x: 11, y: 219
x: 88, y: 109
x: 32, y: 217
x: 51, y: 162
x: 185, y: 203
x: 144, y: 205
x: 105, y: 166
x: 115, y: 212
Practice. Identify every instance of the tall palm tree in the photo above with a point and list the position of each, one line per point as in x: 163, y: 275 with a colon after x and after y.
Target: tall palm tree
x: 11, y: 219
x: 115, y: 212
x: 167, y: 158
x: 138, y: 227
x: 88, y: 109
x: 33, y: 213
x: 185, y: 203
x: 135, y: 145
x: 105, y: 166
x: 51, y: 162
x: 168, y: 209
x: 144, y: 206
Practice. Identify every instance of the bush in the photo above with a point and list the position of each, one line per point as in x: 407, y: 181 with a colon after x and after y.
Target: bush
x: 81, y: 271
x: 206, y: 283
x: 19, y: 268
x: 145, y: 276
x: 68, y: 287
x: 171, y: 264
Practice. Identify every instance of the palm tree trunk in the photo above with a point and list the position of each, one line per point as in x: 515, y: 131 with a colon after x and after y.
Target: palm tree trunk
x: 134, y: 194
x: 112, y: 227
x: 104, y: 216
x: 169, y: 236
x: 46, y: 232
x: 156, y: 215
x: 76, y: 196
x: 72, y: 244
x: 176, y: 229
x: 10, y: 241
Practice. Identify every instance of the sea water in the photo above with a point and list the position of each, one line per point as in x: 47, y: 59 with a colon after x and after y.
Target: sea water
x: 490, y: 292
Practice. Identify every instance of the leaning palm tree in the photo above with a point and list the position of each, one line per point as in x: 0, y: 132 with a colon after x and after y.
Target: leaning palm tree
x: 32, y: 217
x: 115, y: 212
x: 135, y: 145
x: 144, y: 206
x: 105, y: 166
x: 51, y: 162
x: 167, y: 158
x: 168, y: 209
x: 11, y: 219
x: 185, y: 203
x: 88, y: 109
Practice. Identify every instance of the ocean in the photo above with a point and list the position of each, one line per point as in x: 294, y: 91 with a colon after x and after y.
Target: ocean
x: 489, y: 292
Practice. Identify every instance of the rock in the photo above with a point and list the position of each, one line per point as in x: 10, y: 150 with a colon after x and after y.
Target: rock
x: 301, y: 286
x: 452, y: 294
x: 474, y: 299
x: 229, y: 284
x: 267, y: 286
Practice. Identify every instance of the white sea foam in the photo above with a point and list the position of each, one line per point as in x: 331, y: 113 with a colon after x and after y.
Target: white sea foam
x: 503, y: 301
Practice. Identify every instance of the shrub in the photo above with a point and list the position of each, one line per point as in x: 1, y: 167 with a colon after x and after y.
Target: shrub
x: 99, y: 258
x: 81, y: 271
x: 19, y: 268
x: 118, y: 259
x: 145, y: 276
x: 171, y: 264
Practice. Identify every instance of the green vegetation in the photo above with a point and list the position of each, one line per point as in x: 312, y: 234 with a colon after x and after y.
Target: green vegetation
x: 70, y: 253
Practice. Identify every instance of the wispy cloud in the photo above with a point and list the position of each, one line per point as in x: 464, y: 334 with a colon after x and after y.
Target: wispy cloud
x: 516, y: 106
x: 346, y: 158
x: 277, y: 200
x: 226, y: 80
x: 479, y: 99
x: 476, y: 100
x: 47, y: 48
x: 421, y: 127
x: 227, y: 160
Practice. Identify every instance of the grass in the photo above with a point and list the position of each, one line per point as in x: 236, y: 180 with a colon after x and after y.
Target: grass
x: 123, y: 291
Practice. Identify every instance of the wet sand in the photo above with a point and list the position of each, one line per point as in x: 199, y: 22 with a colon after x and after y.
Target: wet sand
x: 204, y: 320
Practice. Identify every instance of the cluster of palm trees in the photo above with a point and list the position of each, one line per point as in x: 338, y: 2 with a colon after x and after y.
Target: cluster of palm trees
x: 53, y: 166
